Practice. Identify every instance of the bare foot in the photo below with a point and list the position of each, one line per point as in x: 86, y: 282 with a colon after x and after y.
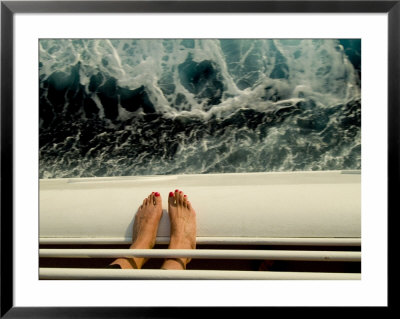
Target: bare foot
x: 145, y: 229
x: 183, y: 228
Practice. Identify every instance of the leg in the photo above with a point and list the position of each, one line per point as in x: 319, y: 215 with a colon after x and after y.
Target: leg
x: 145, y: 229
x: 183, y: 228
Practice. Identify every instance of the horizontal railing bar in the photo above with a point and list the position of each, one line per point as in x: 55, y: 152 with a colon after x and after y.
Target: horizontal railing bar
x: 212, y: 241
x: 118, y: 274
x: 205, y: 254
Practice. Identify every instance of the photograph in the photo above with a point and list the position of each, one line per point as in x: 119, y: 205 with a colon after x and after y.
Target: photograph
x: 226, y: 158
x: 177, y: 157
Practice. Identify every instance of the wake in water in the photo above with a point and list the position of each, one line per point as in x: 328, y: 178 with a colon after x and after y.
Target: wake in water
x: 143, y: 107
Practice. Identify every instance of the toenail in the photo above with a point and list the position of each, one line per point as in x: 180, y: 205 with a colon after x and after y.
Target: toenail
x: 176, y: 190
x: 171, y: 194
x: 184, y: 195
x: 156, y: 194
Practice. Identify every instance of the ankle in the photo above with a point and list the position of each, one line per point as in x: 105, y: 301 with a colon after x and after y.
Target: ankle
x: 179, y: 242
x: 138, y: 244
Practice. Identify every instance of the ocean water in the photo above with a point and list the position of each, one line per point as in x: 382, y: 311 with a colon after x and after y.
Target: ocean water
x: 119, y: 107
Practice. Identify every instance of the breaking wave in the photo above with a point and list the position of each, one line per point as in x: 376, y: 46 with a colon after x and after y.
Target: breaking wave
x: 113, y: 107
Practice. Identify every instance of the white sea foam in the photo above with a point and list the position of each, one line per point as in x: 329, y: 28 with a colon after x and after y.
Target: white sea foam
x: 233, y: 105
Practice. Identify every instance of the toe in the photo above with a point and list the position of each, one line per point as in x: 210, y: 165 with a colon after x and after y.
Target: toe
x: 150, y: 199
x: 157, y: 199
x: 180, y: 198
x: 189, y: 205
x: 171, y: 198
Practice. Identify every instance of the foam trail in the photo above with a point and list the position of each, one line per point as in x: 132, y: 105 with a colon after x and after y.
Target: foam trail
x: 111, y: 107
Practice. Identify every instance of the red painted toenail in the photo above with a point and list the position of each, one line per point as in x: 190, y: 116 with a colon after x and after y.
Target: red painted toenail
x: 184, y: 195
x: 171, y: 194
x: 156, y: 194
x: 176, y: 190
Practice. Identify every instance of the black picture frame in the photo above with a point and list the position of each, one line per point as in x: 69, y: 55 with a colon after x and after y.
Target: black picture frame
x: 9, y: 8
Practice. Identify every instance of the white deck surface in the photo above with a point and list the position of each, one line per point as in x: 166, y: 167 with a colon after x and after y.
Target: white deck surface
x: 258, y: 205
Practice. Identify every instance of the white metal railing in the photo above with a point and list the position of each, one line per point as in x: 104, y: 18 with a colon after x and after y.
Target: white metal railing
x: 118, y: 274
x: 349, y: 256
x: 211, y: 241
x: 289, y: 255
